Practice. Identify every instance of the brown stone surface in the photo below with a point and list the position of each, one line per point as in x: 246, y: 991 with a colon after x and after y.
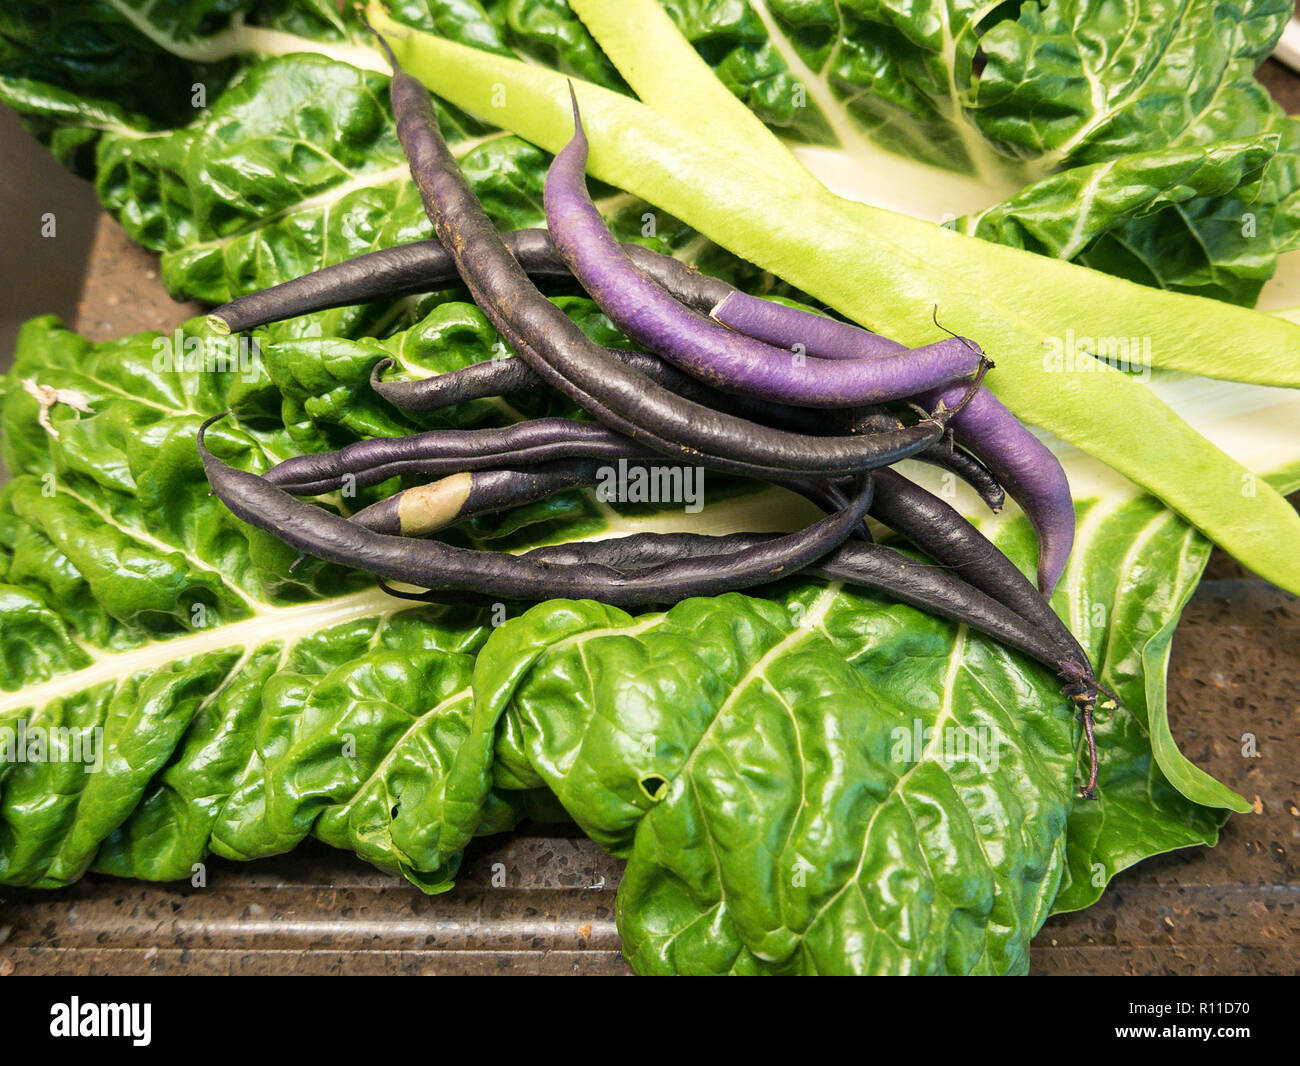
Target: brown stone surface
x: 528, y: 903
x: 122, y: 293
x: 1283, y: 83
x: 1233, y: 909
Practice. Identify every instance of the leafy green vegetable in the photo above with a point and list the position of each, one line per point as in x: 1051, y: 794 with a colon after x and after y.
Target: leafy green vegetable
x: 1011, y: 300
x: 263, y: 188
x: 779, y: 809
x: 240, y: 709
x: 244, y: 708
x: 1000, y: 98
x: 1066, y: 215
x: 1017, y: 94
x: 318, y: 706
x: 813, y: 240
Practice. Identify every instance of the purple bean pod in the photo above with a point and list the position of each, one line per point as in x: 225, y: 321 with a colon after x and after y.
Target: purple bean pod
x: 650, y: 315
x: 1023, y: 464
x: 1025, y: 467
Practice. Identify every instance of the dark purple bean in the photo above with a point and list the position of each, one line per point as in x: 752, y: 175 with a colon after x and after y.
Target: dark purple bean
x: 451, y: 451
x: 565, y: 358
x: 944, y: 535
x: 1018, y: 460
x: 934, y: 590
x: 782, y: 326
x: 423, y: 266
x: 498, y: 377
x: 442, y: 568
x: 939, y: 591
x: 492, y: 377
x: 939, y: 530
x: 1026, y: 468
x: 425, y: 509
x: 945, y: 455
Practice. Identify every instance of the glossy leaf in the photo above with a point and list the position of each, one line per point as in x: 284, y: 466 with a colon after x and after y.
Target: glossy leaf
x: 748, y: 754
x: 315, y: 705
x: 220, y: 703
x: 783, y: 812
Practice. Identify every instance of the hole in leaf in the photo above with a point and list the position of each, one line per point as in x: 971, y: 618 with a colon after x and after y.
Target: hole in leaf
x: 653, y: 786
x: 393, y: 812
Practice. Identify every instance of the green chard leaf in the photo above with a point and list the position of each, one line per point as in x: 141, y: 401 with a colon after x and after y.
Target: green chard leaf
x: 802, y: 779
x: 242, y: 709
x: 1115, y: 83
x: 1027, y: 100
x: 1002, y: 99
x: 1090, y: 214
x: 293, y: 163
x: 270, y: 184
x: 213, y: 701
x: 692, y: 743
x: 782, y: 811
x: 1151, y: 798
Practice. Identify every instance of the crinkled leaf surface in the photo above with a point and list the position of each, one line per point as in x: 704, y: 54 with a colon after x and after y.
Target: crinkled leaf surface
x: 1089, y: 213
x: 783, y: 811
x: 241, y: 708
x: 743, y: 753
x: 773, y: 808
x: 270, y: 184
x: 1008, y: 96
x: 1015, y: 94
x: 755, y: 758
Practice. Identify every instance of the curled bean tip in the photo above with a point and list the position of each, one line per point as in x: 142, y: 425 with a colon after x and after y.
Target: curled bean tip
x: 579, y: 135
x: 965, y: 340
x: 392, y: 59
x: 203, y: 429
